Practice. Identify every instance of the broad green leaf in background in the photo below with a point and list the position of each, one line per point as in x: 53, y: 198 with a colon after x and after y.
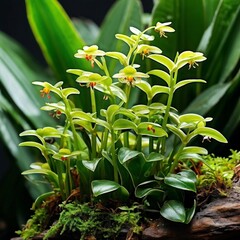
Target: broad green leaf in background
x: 187, y: 18
x: 17, y: 73
x: 222, y: 33
x: 58, y: 39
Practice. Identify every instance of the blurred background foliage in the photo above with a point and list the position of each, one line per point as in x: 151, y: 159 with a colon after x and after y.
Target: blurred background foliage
x: 211, y: 27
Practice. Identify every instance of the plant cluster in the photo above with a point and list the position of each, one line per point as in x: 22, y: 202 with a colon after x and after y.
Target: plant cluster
x: 123, y: 152
x: 217, y: 173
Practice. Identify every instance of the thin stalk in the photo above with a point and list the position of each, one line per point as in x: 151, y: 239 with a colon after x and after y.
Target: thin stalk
x: 60, y: 180
x: 175, y: 161
x: 139, y: 142
x: 104, y: 140
x: 94, y: 134
x: 68, y: 180
x: 126, y: 134
x: 173, y: 79
x: 114, y: 158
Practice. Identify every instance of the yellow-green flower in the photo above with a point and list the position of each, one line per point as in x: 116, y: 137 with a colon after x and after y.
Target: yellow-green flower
x: 129, y: 75
x: 138, y: 33
x: 191, y: 58
x: 145, y: 49
x: 162, y: 28
x: 92, y: 79
x: 90, y: 53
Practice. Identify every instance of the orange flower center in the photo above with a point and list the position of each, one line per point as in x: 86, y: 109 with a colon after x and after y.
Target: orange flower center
x: 92, y: 84
x: 150, y: 128
x: 130, y: 79
x: 45, y: 91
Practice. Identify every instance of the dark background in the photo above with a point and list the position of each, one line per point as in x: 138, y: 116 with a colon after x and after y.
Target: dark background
x: 13, y: 19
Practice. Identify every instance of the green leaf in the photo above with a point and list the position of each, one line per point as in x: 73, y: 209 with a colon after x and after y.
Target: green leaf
x: 208, y: 99
x: 159, y: 89
x: 180, y: 182
x: 162, y: 74
x: 68, y: 91
x: 58, y: 39
x: 222, y: 33
x: 135, y: 163
x: 91, y: 165
x: 87, y: 29
x: 178, y: 132
x: 151, y: 129
x: 18, y: 70
x: 124, y: 124
x: 209, y: 132
x: 40, y: 199
x: 173, y: 211
x: 33, y: 144
x: 185, y: 82
x: 191, y: 118
x: 190, y: 212
x: 167, y: 62
x: 150, y: 189
x: 145, y: 87
x: 100, y: 187
x: 50, y: 175
x: 194, y: 149
x: 126, y: 154
x: 187, y: 17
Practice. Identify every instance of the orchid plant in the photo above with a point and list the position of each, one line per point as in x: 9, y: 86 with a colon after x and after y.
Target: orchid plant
x: 139, y: 153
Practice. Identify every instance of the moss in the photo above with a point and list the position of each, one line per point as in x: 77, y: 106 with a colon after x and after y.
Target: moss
x: 90, y: 222
x: 35, y: 224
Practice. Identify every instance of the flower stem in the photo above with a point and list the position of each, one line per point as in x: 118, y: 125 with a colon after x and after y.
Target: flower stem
x: 114, y: 158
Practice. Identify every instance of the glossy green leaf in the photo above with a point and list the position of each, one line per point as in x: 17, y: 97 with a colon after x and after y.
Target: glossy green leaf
x: 154, y: 157
x: 167, y: 62
x: 185, y: 82
x: 124, y: 124
x: 209, y: 132
x: 190, y: 212
x: 151, y: 129
x: 126, y: 154
x: 100, y: 187
x: 194, y: 149
x: 110, y: 113
x: 136, y: 165
x: 33, y: 144
x: 37, y: 203
x: 156, y: 89
x: 145, y: 188
x: 145, y: 87
x: 189, y: 174
x: 50, y: 175
x: 174, y: 211
x: 68, y: 91
x: 180, y: 182
x: 190, y: 117
x: 91, y: 164
x: 58, y: 39
x: 178, y: 132
x: 162, y: 74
